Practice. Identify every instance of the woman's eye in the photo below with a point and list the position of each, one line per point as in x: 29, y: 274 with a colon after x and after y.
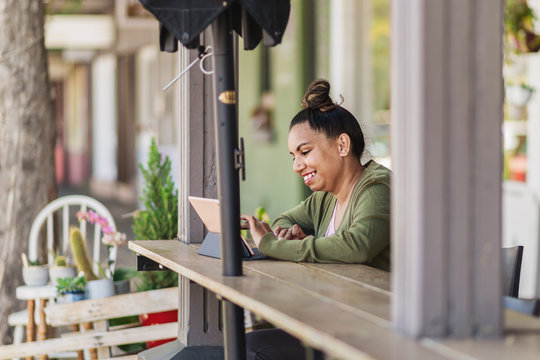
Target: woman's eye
x: 304, y: 153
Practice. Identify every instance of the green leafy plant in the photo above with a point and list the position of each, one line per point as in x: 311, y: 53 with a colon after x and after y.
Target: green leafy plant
x: 159, y: 218
x: 518, y: 16
x: 519, y: 23
x: 124, y: 273
x: 70, y: 285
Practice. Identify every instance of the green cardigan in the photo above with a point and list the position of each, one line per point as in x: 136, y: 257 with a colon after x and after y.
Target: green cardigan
x: 363, y: 236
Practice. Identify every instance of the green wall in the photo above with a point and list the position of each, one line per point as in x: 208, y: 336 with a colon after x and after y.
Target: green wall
x: 270, y: 181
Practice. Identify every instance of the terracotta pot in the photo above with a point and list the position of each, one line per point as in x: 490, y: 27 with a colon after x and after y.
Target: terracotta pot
x: 158, y: 318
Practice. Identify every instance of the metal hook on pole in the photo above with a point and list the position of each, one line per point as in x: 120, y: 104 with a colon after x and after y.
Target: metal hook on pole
x: 202, y: 56
x: 208, y: 52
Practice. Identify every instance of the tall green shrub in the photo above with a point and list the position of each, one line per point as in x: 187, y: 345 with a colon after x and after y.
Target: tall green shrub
x: 159, y: 218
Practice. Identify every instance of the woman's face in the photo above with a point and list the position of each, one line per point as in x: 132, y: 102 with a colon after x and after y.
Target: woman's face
x: 315, y: 157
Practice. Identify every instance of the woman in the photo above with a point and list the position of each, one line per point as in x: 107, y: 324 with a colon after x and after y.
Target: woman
x: 347, y: 217
x: 345, y: 220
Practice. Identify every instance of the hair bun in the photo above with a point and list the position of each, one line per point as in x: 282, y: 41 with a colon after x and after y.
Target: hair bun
x: 317, y: 96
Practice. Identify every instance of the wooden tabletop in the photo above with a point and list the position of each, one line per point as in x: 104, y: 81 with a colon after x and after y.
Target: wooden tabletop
x: 341, y: 309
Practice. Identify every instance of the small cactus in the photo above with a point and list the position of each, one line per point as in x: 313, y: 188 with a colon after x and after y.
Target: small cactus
x: 60, y: 260
x: 80, y: 253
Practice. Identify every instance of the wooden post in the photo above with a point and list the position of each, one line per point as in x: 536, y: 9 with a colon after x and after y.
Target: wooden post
x: 42, y: 328
x: 31, y: 306
x: 93, y: 352
x: 447, y: 155
x: 80, y: 353
x: 199, y: 308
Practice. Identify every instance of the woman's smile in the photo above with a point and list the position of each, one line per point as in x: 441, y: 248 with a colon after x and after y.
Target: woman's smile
x: 308, y: 177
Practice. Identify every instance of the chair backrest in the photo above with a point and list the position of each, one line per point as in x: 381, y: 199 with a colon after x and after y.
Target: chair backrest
x: 512, y: 269
x: 67, y: 207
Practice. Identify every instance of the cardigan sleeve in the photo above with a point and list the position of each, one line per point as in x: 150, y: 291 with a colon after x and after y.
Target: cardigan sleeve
x: 301, y: 214
x: 366, y: 236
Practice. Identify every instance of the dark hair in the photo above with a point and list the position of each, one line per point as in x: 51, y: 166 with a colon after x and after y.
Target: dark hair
x: 323, y: 115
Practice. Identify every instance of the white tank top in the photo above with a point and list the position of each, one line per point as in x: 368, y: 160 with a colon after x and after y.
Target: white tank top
x: 331, y: 230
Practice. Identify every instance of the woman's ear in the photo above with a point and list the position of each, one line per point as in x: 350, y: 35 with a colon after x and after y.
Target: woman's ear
x: 344, y: 144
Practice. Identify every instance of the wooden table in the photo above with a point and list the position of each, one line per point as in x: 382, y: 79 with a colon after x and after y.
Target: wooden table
x: 341, y: 309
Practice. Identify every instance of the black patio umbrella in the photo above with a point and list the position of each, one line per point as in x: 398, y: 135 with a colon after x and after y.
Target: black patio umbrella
x: 254, y: 20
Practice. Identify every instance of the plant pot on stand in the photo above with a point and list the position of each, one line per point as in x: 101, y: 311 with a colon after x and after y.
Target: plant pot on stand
x: 71, y: 296
x: 59, y: 272
x: 70, y: 289
x: 36, y: 275
x: 98, y: 289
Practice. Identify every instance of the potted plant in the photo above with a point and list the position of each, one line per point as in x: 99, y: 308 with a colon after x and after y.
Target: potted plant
x: 34, y: 274
x: 61, y: 268
x: 70, y: 289
x: 97, y: 287
x: 519, y: 22
x: 158, y: 220
x: 517, y: 96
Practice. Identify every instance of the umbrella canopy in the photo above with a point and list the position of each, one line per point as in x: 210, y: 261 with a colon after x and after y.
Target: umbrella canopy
x: 252, y: 19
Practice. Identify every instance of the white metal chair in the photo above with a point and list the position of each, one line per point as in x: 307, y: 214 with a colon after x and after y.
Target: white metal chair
x: 66, y: 207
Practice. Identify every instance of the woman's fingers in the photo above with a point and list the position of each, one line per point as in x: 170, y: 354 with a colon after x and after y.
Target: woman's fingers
x: 297, y: 232
x: 250, y: 220
x: 259, y: 227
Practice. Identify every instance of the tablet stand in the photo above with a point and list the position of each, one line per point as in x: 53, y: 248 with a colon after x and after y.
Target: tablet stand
x: 211, y: 247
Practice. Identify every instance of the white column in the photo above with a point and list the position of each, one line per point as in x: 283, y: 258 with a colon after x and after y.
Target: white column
x: 447, y: 160
x: 104, y: 124
x: 529, y: 234
x: 183, y: 146
x: 350, y: 56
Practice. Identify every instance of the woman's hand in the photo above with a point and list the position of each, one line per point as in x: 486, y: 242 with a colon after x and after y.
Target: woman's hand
x: 258, y: 228
x: 293, y: 233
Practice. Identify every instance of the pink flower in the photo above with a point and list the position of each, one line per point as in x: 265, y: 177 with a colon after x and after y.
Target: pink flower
x: 111, y: 237
x: 107, y: 229
x: 81, y: 215
x: 114, y: 239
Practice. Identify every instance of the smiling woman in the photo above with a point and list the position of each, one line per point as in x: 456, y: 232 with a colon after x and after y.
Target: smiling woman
x: 347, y: 218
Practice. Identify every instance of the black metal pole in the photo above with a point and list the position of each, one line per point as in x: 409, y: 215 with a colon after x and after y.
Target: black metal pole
x: 228, y: 181
x: 227, y: 145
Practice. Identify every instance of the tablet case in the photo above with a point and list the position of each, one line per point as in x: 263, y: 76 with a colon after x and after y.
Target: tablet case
x: 208, y: 211
x: 211, y: 246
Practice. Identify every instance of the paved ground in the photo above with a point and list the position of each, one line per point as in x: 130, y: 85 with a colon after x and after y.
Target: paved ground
x: 120, y: 211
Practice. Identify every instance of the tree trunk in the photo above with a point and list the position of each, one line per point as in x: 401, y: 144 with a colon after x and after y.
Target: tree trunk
x: 27, y: 140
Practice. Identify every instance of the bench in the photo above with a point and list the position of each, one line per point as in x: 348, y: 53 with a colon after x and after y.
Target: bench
x: 341, y: 309
x: 97, y: 312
